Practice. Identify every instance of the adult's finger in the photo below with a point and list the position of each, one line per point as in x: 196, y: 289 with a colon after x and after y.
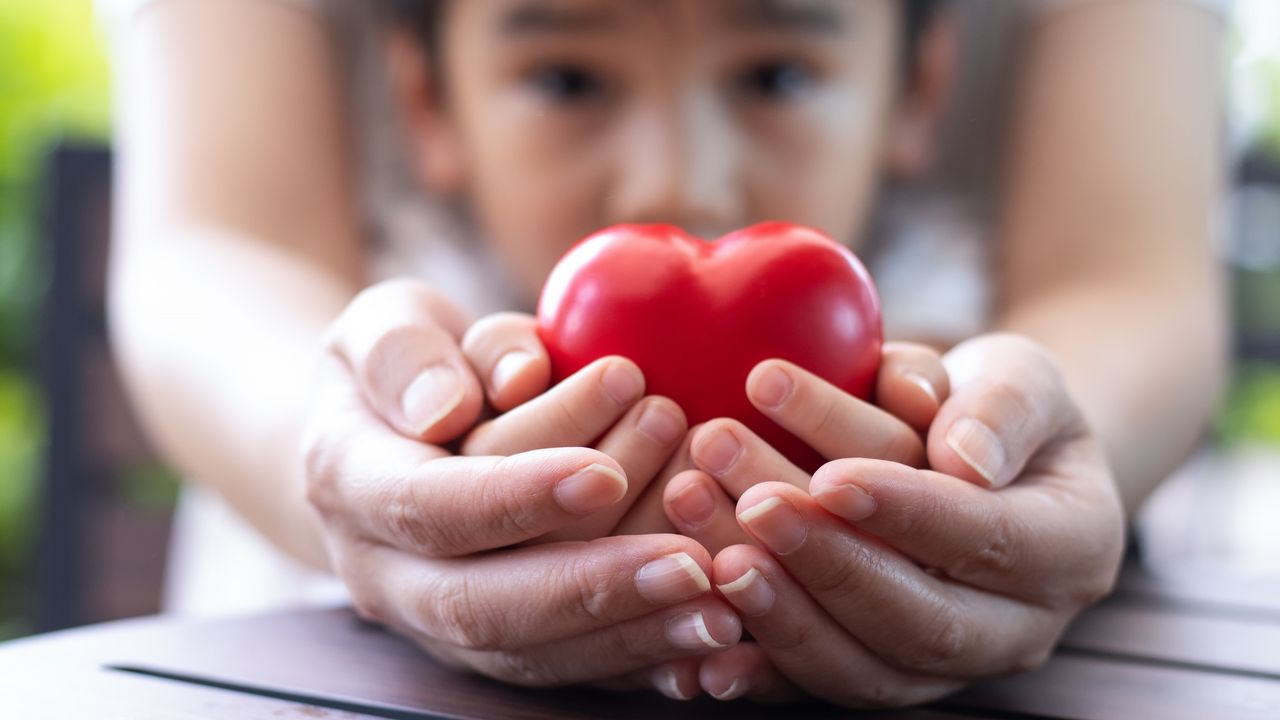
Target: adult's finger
x: 696, y: 628
x: 806, y: 644
x: 831, y: 421
x: 1008, y: 400
x: 453, y: 506
x: 915, y: 621
x: 641, y: 442
x: 530, y: 595
x: 911, y: 383
x: 506, y: 354
x: 383, y: 486
x: 1018, y: 542
x: 574, y: 413
x: 400, y: 341
x: 745, y: 671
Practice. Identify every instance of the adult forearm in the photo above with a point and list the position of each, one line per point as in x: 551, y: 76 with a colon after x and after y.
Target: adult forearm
x: 1145, y: 364
x: 216, y: 334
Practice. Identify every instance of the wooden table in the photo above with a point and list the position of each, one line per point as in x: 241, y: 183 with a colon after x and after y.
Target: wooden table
x: 1165, y: 647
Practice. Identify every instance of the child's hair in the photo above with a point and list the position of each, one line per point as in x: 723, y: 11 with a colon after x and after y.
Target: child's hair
x: 423, y: 17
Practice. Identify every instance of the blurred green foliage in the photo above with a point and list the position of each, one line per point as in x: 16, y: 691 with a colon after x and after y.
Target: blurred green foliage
x: 53, y: 84
x: 1251, y: 413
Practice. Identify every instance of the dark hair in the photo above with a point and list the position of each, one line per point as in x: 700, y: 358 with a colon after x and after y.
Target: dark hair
x: 424, y: 17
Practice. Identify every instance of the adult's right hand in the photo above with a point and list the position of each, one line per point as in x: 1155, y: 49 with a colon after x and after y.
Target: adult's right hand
x: 407, y: 524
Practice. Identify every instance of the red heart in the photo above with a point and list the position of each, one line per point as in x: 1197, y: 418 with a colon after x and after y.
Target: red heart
x: 698, y: 316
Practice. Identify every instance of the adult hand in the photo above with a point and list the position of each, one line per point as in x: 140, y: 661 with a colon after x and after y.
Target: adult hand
x: 601, y: 406
x: 888, y: 585
x: 405, y: 522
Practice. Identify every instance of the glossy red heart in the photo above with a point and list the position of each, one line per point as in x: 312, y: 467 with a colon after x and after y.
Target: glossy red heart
x: 697, y: 316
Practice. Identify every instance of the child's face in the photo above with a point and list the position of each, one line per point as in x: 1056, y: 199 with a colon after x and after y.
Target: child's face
x: 554, y: 118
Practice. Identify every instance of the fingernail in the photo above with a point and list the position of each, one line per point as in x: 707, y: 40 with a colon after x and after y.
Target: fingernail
x: 923, y: 383
x: 694, y: 506
x: 592, y: 488
x: 664, y: 679
x: 623, y: 382
x: 719, y: 453
x: 736, y: 689
x: 848, y: 501
x: 979, y: 447
x: 659, y: 424
x: 690, y: 632
x: 431, y: 396
x: 510, y: 366
x: 671, y: 579
x: 772, y: 387
x: 750, y: 593
x: 777, y: 523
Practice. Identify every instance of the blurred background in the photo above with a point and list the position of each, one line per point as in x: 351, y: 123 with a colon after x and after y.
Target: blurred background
x: 84, y: 508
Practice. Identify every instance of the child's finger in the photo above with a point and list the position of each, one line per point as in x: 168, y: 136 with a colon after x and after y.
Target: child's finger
x: 640, y: 442
x: 400, y: 341
x: 912, y: 383
x: 833, y: 422
x: 506, y: 354
x: 738, y: 458
x: 698, y: 507
x: 574, y: 413
x: 648, y: 515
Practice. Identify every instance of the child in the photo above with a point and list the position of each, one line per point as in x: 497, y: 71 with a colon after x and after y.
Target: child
x: 537, y: 121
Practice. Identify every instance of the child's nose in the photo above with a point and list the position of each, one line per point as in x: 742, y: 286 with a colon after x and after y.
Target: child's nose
x: 680, y: 167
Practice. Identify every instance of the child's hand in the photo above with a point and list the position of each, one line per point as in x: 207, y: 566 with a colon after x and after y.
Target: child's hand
x: 601, y: 406
x: 888, y: 585
x: 909, y: 387
x: 405, y: 522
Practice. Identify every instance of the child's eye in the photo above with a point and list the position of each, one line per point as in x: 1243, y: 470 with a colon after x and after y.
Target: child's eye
x: 567, y: 83
x: 778, y: 80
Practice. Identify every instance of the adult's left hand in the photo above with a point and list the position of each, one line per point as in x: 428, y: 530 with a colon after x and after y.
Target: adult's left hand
x: 887, y: 585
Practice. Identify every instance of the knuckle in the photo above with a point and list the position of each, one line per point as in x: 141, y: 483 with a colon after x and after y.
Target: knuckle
x: 321, y: 463
x: 848, y: 576
x: 570, y: 419
x: 827, y: 419
x: 905, y: 446
x: 940, y: 642
x: 595, y: 591
x: 405, y: 515
x: 513, y: 513
x: 998, y: 554
x: 457, y: 616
